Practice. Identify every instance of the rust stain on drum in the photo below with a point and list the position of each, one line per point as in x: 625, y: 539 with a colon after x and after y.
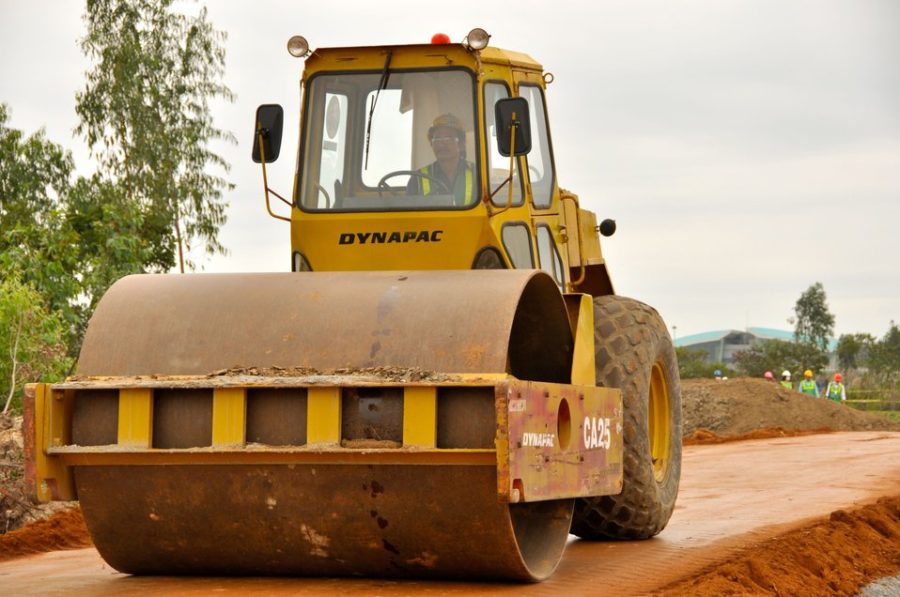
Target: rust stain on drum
x: 200, y: 323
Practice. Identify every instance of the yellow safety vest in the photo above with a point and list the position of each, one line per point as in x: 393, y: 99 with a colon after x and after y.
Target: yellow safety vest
x: 465, y: 193
x: 835, y: 391
x: 809, y: 387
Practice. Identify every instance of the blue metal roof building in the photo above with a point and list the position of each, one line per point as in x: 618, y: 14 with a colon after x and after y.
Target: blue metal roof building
x: 721, y: 345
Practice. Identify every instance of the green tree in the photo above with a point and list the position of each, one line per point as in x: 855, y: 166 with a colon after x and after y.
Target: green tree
x: 814, y: 323
x: 34, y: 181
x: 109, y: 231
x: 884, y: 356
x: 35, y: 243
x: 68, y: 241
x: 777, y: 356
x: 852, y: 349
x: 32, y: 345
x: 145, y: 115
x: 693, y: 363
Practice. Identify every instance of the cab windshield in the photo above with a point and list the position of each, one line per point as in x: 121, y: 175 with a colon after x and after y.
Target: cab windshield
x: 401, y: 142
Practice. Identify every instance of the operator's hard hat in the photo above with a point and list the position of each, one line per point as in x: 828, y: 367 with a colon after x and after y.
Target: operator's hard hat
x: 807, y: 373
x: 447, y: 120
x: 768, y: 375
x: 838, y: 377
x: 786, y: 374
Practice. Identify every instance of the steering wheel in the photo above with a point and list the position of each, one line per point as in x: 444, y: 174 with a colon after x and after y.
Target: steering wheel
x: 383, y: 186
x: 322, y: 190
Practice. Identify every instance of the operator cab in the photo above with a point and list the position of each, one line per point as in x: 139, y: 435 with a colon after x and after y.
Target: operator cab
x: 428, y: 157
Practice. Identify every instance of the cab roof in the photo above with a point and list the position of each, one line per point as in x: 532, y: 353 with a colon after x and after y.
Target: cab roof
x: 415, y: 55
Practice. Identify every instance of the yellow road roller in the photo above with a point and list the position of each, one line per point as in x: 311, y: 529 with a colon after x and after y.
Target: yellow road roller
x: 445, y: 385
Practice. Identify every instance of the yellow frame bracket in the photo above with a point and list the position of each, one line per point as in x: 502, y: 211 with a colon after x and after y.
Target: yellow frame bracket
x: 135, y: 417
x: 420, y: 417
x: 323, y: 420
x: 229, y: 416
x: 581, y: 320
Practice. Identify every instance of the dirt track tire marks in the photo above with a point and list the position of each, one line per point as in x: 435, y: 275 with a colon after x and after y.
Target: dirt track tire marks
x: 630, y: 339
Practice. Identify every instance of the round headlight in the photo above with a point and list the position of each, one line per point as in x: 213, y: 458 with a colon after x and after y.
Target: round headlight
x: 477, y: 39
x: 298, y: 47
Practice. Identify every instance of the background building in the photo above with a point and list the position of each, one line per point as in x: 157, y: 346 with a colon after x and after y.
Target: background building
x: 721, y: 345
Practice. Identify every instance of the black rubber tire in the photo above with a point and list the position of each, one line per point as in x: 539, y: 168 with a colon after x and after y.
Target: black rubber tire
x: 630, y: 338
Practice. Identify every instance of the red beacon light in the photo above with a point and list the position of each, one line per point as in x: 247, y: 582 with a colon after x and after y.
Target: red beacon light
x: 440, y: 38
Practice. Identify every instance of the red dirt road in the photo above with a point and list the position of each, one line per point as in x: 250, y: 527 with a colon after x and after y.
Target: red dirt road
x: 733, y: 496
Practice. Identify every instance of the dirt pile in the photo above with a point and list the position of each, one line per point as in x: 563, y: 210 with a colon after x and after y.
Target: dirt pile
x: 17, y: 508
x: 831, y: 557
x: 62, y: 530
x: 754, y: 408
x: 14, y: 505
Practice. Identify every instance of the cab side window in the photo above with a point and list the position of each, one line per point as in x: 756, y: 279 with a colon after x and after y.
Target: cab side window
x: 334, y: 135
x: 498, y: 166
x: 540, y: 159
x: 517, y: 242
x: 548, y: 254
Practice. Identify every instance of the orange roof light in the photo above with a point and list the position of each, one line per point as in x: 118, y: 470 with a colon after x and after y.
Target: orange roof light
x: 440, y: 38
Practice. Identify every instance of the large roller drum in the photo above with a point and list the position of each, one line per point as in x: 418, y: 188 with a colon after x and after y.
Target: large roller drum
x: 325, y: 519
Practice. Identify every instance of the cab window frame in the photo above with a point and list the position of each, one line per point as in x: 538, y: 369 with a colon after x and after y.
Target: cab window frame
x: 516, y: 224
x: 543, y: 142
x: 556, y: 268
x: 356, y: 119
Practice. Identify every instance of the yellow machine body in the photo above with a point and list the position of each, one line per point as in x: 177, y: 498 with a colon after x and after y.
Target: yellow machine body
x: 417, y: 398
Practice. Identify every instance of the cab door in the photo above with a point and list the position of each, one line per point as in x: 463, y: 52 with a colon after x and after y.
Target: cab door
x: 540, y: 180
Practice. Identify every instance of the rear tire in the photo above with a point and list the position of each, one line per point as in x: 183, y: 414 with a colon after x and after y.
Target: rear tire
x: 635, y: 354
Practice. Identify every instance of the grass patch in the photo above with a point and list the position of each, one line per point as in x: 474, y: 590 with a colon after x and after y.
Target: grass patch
x: 890, y: 415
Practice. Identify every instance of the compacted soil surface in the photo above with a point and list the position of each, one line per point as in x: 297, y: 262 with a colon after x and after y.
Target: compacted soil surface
x: 835, y: 555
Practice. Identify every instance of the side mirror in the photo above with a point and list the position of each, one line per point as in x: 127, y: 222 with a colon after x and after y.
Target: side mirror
x: 268, y: 124
x: 513, y: 112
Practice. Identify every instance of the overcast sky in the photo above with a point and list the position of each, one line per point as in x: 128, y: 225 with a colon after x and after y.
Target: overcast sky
x: 746, y: 149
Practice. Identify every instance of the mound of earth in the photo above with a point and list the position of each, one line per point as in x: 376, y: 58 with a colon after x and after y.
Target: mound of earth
x: 748, y: 408
x: 835, y: 556
x: 63, y: 530
x: 17, y: 508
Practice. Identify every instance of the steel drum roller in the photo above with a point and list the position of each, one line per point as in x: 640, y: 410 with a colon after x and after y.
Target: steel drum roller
x: 305, y: 519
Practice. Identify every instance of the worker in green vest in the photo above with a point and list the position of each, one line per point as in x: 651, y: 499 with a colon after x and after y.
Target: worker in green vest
x: 786, y: 380
x: 808, y: 385
x: 450, y: 173
x: 836, y: 390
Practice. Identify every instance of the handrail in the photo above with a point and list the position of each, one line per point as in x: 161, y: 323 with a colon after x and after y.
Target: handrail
x: 262, y: 159
x: 583, y: 274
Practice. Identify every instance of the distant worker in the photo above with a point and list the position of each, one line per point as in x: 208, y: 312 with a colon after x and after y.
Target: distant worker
x: 718, y: 374
x: 836, y: 390
x: 786, y: 379
x: 769, y: 376
x: 450, y: 173
x: 809, y: 385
